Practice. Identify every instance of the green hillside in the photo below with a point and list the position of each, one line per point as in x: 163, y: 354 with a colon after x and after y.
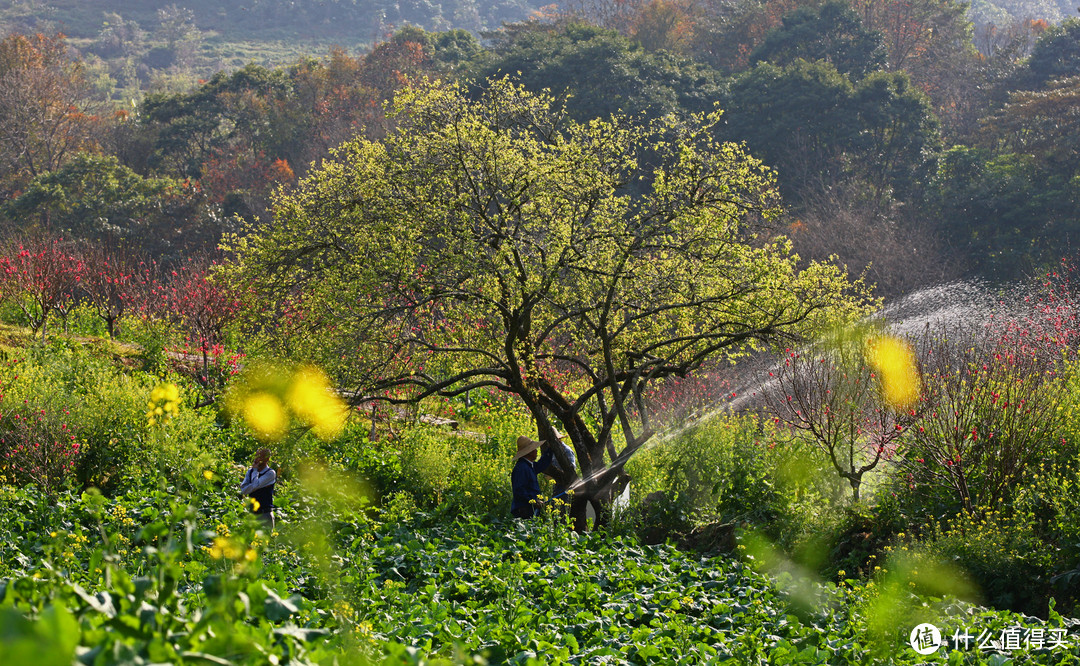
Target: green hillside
x: 342, y: 21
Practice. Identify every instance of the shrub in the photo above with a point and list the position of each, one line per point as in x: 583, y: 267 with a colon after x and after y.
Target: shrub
x: 1050, y: 499
x: 460, y: 474
x: 105, y: 409
x: 1066, y: 448
x: 656, y: 518
x: 1001, y: 553
x: 481, y: 476
x: 378, y: 462
x: 715, y: 470
x: 734, y: 468
x: 854, y: 539
x: 151, y: 336
x: 426, y: 459
x: 188, y: 443
x: 112, y: 427
x: 37, y: 445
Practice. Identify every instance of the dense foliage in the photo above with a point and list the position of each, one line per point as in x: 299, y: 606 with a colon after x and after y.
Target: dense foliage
x: 392, y: 542
x: 176, y: 573
x: 909, y: 142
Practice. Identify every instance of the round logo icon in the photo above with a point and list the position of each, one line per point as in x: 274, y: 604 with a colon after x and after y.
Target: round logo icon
x: 925, y: 639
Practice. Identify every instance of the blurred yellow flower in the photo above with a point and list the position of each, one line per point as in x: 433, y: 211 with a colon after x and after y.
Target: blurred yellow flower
x: 314, y: 401
x: 265, y: 414
x: 894, y: 362
x: 224, y: 548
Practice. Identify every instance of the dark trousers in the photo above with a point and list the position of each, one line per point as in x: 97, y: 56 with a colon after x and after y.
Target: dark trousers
x: 266, y: 518
x: 524, y: 512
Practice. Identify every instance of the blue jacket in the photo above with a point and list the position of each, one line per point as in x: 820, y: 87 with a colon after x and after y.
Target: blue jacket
x: 260, y: 486
x: 524, y: 481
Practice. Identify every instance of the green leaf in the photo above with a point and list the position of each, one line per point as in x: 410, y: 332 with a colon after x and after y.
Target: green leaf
x: 100, y: 602
x: 278, y: 609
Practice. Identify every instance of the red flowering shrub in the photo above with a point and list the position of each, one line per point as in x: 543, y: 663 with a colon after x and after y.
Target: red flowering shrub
x: 107, y: 282
x: 990, y: 410
x: 38, y: 445
x: 204, y: 308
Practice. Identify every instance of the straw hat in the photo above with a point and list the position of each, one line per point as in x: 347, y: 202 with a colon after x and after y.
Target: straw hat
x: 526, y: 446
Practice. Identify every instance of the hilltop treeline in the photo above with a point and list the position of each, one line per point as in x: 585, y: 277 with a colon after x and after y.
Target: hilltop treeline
x: 907, y: 143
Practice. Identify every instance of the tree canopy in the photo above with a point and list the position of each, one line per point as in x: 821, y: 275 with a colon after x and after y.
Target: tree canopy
x: 816, y: 127
x: 96, y: 198
x: 831, y: 32
x: 46, y: 114
x: 603, y: 72
x: 1055, y: 56
x: 493, y: 243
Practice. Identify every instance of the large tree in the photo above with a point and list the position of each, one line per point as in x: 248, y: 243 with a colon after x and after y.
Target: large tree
x: 1056, y: 56
x: 831, y: 32
x: 601, y: 71
x: 817, y: 128
x: 492, y: 243
x: 96, y: 198
x: 46, y: 113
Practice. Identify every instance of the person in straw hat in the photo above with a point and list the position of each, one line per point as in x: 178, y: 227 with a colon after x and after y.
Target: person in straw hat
x: 524, y: 479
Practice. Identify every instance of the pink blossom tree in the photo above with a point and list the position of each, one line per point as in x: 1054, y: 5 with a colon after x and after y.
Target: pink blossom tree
x: 39, y: 276
x: 204, y: 307
x: 830, y: 396
x: 108, y: 284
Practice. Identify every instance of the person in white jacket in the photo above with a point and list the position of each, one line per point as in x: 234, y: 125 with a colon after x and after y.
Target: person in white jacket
x: 259, y: 485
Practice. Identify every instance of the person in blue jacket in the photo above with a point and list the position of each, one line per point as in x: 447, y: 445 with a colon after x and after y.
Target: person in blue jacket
x: 259, y: 485
x: 524, y: 480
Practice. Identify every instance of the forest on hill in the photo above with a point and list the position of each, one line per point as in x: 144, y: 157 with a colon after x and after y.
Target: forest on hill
x: 359, y: 20
x: 348, y: 21
x: 908, y: 141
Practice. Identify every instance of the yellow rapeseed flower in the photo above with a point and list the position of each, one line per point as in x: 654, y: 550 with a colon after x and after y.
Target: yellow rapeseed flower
x: 224, y: 548
x: 164, y: 403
